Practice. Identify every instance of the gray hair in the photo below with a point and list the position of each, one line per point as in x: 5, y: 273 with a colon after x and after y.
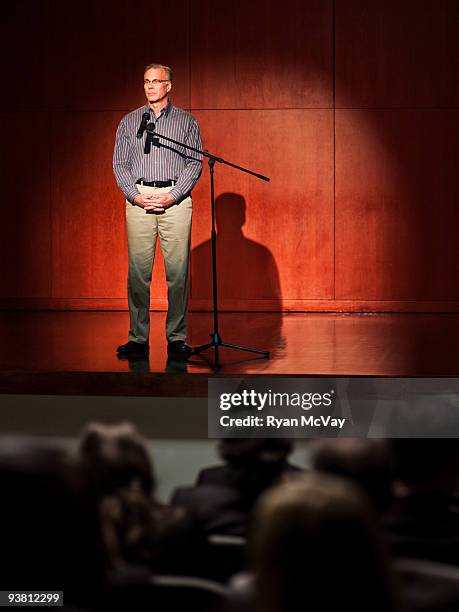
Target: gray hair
x: 166, y: 69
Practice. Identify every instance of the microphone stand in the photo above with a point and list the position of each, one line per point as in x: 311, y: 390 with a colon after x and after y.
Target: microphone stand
x: 216, y: 340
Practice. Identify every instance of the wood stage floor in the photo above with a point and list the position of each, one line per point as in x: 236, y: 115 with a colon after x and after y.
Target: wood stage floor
x: 73, y: 353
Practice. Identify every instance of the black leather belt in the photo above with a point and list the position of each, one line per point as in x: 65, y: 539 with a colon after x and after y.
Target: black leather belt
x: 155, y: 183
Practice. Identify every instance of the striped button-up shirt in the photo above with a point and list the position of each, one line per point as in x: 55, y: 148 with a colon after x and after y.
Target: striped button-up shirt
x: 166, y: 160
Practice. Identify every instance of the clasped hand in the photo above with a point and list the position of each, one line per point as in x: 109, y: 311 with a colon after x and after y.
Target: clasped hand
x: 155, y: 202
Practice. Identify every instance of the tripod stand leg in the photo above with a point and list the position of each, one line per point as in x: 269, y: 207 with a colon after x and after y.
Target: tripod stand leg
x: 201, y: 348
x: 244, y: 348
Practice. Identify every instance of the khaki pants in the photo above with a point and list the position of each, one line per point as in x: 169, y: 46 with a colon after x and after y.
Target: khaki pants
x: 174, y: 230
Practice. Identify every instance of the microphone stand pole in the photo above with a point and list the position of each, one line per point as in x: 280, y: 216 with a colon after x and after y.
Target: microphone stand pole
x: 216, y: 340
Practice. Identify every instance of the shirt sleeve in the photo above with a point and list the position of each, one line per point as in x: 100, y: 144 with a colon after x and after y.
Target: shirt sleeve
x: 193, y: 165
x: 121, y: 165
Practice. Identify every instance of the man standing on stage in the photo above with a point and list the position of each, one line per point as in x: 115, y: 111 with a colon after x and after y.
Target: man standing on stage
x: 157, y: 177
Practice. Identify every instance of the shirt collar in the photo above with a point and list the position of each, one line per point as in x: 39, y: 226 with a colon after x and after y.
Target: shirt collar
x: 165, y: 111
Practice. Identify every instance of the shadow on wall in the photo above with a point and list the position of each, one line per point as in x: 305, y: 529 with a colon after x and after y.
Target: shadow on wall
x: 246, y: 269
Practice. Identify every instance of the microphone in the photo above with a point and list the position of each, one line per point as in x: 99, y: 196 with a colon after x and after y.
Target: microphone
x: 143, y: 125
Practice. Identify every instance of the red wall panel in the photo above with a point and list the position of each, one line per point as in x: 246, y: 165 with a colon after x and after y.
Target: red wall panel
x: 396, y: 204
x: 24, y: 55
x: 89, y: 244
x: 25, y: 231
x: 391, y: 53
x: 254, y: 55
x: 100, y: 49
x: 287, y: 223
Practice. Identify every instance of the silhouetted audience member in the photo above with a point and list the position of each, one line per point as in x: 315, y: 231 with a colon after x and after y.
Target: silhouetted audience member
x: 367, y: 462
x: 424, y: 521
x: 267, y: 455
x: 314, y: 546
x: 49, y: 527
x: 224, y: 495
x: 138, y: 529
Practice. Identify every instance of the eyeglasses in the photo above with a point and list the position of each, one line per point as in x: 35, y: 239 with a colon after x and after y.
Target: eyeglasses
x: 155, y: 81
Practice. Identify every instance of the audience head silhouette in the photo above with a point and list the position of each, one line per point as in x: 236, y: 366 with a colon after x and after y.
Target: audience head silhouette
x: 117, y: 457
x: 365, y: 461
x: 314, y: 541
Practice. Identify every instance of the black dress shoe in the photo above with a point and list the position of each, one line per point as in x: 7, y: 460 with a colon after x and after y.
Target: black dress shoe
x: 178, y: 348
x: 133, y: 348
